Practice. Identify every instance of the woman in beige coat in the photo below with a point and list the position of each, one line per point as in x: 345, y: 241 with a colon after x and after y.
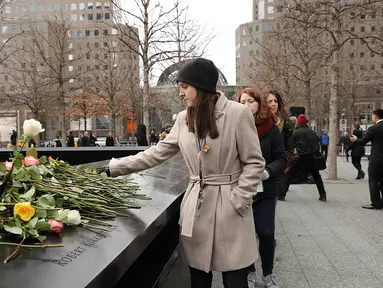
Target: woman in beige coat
x: 220, y: 145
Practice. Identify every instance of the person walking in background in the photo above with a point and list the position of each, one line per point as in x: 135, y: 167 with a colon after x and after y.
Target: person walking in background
x: 276, y: 104
x: 307, y: 145
x: 92, y: 140
x: 345, y: 142
x: 57, y: 141
x: 219, y: 143
x: 109, y: 140
x: 153, y: 138
x: 85, y: 141
x: 275, y: 155
x: 324, y: 142
x: 13, y: 138
x: 357, y: 152
x: 141, y: 135
x: 374, y: 135
x: 69, y: 139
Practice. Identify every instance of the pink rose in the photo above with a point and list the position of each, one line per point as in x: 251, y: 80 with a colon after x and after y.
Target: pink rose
x: 8, y: 165
x: 30, y: 160
x: 56, y: 226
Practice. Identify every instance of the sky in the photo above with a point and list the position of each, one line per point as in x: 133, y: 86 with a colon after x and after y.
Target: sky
x: 223, y: 17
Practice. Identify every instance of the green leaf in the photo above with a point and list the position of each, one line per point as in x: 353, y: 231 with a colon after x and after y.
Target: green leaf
x: 19, y: 174
x: 62, y: 215
x: 47, y: 201
x: 52, y: 214
x: 43, y: 160
x: 33, y: 232
x: 29, y: 194
x: 33, y: 222
x: 42, y: 226
x: 32, y: 152
x: 15, y: 151
x: 13, y: 230
x: 47, y: 171
x: 3, y: 208
x: 41, y: 213
x: 59, y: 202
x: 18, y: 222
x: 74, y: 201
x: 54, y: 180
x: 42, y: 238
x: 17, y: 184
x: 18, y: 163
x: 2, y: 167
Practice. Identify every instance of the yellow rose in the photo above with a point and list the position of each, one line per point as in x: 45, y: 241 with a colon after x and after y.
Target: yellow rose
x: 24, y: 210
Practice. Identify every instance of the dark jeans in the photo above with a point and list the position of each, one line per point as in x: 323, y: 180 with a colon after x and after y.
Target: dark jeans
x: 325, y: 150
x: 231, y: 279
x: 304, y: 164
x: 356, y: 161
x: 375, y: 183
x: 264, y: 219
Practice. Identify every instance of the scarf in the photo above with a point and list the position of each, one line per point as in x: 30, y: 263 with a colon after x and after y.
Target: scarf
x: 264, y: 127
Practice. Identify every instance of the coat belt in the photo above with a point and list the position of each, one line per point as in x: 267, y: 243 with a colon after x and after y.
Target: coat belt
x: 190, y: 207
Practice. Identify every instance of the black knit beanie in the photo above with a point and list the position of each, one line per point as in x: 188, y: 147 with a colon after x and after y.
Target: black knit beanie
x: 199, y: 73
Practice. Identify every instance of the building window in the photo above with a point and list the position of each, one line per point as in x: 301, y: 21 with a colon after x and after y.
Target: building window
x: 69, y: 34
x: 114, y: 44
x: 4, y: 29
x: 98, y: 5
x: 105, y: 31
x: 352, y: 29
x: 378, y: 91
x: 114, y: 31
x: 79, y: 33
x: 70, y: 57
x: 90, y: 16
x: 362, y: 29
x: 31, y: 8
x: 372, y: 67
x: 107, y: 15
x: 70, y: 68
x: 244, y: 43
x: 82, y: 17
x: 96, y: 32
x: 270, y: 10
x: 351, y: 42
x: 243, y: 31
x: 361, y: 68
x: 90, y: 5
x: 6, y: 77
x: 250, y: 29
x: 99, y: 16
x: 14, y: 28
x: 361, y: 54
x: 71, y: 80
x: 73, y: 6
x: 105, y: 44
x: 88, y: 45
x: 74, y: 17
x: 97, y: 67
x: 16, y: 9
x: 65, y: 7
x: 40, y: 8
x: 279, y: 9
x: 96, y: 44
x: 268, y: 27
x: 352, y: 55
x: 373, y: 15
x: 56, y: 7
x: 256, y: 27
x: 49, y: 7
x: 81, y: 6
x: 24, y: 9
x: 362, y: 16
x: 87, y: 32
x: 87, y: 55
x: 106, y: 5
x: 8, y: 9
x: 373, y: 29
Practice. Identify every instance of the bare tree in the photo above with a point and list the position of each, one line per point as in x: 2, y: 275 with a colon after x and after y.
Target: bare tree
x: 333, y: 19
x: 158, y: 43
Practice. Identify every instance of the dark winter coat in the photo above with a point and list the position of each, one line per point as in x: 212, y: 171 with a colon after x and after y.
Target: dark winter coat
x: 357, y: 149
x: 287, y: 135
x: 70, y: 141
x: 275, y: 155
x: 306, y: 141
x: 14, y: 138
x: 85, y: 141
x: 109, y: 141
x: 374, y: 135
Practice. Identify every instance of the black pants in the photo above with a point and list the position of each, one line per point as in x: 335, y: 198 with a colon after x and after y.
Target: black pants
x: 231, y: 279
x: 325, y: 150
x: 356, y: 161
x: 304, y: 164
x: 264, y: 219
x: 375, y: 183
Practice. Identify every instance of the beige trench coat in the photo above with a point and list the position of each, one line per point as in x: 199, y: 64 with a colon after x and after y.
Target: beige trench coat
x: 222, y: 236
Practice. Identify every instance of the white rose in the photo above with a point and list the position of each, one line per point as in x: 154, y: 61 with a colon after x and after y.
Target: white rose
x: 32, y: 128
x: 73, y: 217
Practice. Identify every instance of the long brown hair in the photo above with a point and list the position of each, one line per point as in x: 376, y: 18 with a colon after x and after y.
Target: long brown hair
x: 281, y: 104
x: 203, y: 114
x: 264, y: 113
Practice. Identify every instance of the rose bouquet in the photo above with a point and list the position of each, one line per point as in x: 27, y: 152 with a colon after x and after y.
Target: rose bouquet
x: 41, y: 195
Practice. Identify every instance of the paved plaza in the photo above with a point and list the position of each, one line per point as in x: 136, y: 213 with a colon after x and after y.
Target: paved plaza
x: 333, y: 244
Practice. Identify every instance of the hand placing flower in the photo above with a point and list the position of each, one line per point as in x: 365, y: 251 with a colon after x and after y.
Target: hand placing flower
x: 56, y: 226
x: 24, y: 210
x: 205, y: 148
x: 32, y: 128
x: 30, y: 161
x: 73, y: 218
x: 8, y: 165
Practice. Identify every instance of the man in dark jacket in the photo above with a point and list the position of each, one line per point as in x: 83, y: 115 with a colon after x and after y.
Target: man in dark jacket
x: 69, y: 139
x: 345, y: 141
x: 307, y: 146
x: 357, y: 152
x: 14, y: 138
x: 374, y: 135
x: 109, y: 140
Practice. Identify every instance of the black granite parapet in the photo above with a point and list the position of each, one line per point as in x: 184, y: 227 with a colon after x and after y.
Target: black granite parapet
x: 79, y: 155
x: 101, y: 259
